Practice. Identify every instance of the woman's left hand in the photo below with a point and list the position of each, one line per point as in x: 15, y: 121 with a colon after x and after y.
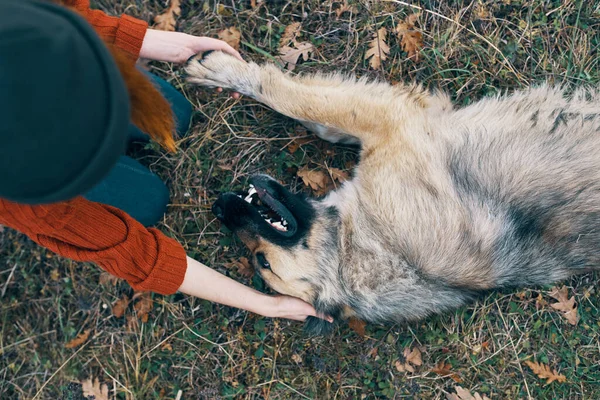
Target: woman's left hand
x: 179, y: 47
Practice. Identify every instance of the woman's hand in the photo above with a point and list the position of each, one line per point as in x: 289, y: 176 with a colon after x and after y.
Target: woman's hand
x: 293, y: 308
x: 178, y: 47
x: 206, y: 283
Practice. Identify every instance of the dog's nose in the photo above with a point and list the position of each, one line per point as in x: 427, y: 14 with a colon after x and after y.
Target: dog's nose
x: 218, y: 211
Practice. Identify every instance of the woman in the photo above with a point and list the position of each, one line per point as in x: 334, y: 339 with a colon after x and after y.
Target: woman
x: 67, y: 98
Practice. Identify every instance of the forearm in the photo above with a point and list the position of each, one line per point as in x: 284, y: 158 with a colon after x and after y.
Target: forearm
x: 206, y: 283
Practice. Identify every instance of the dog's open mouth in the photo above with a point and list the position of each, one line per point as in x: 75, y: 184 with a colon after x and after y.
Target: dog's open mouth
x: 270, y: 208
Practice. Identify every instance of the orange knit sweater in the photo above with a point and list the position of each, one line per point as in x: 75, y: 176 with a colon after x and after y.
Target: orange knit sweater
x: 86, y: 231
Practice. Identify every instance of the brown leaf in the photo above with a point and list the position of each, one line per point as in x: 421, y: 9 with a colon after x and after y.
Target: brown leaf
x: 54, y: 275
x: 444, y: 370
x: 345, y: 7
x: 243, y: 267
x: 464, y: 394
x: 339, y: 175
x: 79, y: 340
x: 411, y: 40
x: 413, y: 356
x: 318, y: 181
x: 296, y: 358
x: 357, y: 326
x: 291, y: 55
x: 144, y: 305
x: 378, y: 49
x: 119, y: 306
x: 565, y: 304
x: 106, y: 278
x: 132, y: 323
x: 231, y: 36
x: 543, y: 371
x: 295, y: 144
x: 168, y: 19
x: 94, y: 388
x: 403, y: 367
x: 289, y: 34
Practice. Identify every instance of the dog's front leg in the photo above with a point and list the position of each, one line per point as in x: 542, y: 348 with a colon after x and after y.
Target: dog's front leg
x: 335, y: 108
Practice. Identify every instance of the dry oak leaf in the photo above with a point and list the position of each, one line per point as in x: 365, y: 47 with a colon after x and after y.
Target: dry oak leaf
x: 378, y: 49
x: 243, y: 267
x: 410, y: 39
x: 295, y: 144
x: 543, y: 371
x: 289, y: 34
x: 357, y: 326
x: 144, y: 305
x: 445, y: 370
x: 345, y: 7
x: 318, y: 181
x: 565, y: 304
x: 106, y: 278
x: 94, y: 388
x: 168, y: 19
x: 231, y: 36
x: 411, y: 357
x: 339, y: 175
x: 79, y: 340
x: 119, y: 306
x: 464, y: 394
x: 291, y: 55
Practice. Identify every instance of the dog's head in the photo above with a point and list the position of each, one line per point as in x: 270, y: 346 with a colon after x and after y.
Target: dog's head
x: 285, y: 234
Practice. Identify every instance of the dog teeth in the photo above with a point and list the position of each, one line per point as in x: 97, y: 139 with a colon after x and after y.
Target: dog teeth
x: 279, y: 226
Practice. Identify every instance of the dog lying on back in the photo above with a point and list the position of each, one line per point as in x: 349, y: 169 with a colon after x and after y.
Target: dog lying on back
x: 445, y: 203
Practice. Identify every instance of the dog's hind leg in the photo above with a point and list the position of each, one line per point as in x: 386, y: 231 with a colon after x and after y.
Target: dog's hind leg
x: 369, y: 112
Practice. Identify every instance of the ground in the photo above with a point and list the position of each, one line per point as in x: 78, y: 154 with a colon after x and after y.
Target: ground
x: 192, y: 349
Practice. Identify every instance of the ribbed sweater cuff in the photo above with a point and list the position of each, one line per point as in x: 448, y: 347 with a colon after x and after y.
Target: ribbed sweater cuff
x: 167, y: 276
x: 130, y: 35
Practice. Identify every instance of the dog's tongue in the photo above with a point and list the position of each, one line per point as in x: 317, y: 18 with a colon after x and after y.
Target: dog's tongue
x: 269, y: 215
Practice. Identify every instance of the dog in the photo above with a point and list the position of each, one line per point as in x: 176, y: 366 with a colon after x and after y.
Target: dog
x: 446, y: 203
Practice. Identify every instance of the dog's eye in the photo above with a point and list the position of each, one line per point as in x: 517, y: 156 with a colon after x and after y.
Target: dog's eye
x: 262, y: 261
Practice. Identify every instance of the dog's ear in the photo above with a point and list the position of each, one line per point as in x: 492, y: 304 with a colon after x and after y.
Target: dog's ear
x: 314, y: 326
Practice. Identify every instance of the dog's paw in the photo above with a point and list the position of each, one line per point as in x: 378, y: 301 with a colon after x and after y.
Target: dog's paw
x: 215, y: 69
x: 314, y: 326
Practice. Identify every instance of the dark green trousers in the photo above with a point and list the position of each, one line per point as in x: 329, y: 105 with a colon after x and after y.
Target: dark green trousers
x: 130, y: 186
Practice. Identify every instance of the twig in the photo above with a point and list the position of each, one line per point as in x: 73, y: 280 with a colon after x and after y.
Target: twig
x: 39, y: 392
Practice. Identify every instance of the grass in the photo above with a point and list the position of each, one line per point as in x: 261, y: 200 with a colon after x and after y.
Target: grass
x: 199, y: 350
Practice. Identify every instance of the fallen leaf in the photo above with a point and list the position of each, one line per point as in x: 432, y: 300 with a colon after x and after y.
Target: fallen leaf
x: 373, y: 353
x: 290, y: 56
x: 231, y: 36
x: 464, y: 394
x: 224, y: 11
x: 410, y: 357
x: 289, y: 34
x: 54, y: 275
x: 411, y: 40
x: 132, y: 323
x: 345, y: 7
x: 565, y: 304
x: 445, y: 370
x: 295, y: 144
x: 413, y: 356
x: 243, y: 267
x: 106, y: 278
x: 358, y: 326
x: 119, y: 306
x: 318, y: 181
x: 79, y: 340
x: 166, y: 347
x: 378, y: 49
x: 403, y: 367
x: 144, y: 305
x: 543, y: 371
x: 94, y: 388
x: 339, y: 175
x: 296, y: 358
x: 168, y: 19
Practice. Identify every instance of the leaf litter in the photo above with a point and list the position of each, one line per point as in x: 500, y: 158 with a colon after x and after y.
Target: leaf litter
x: 168, y: 19
x: 543, y: 371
